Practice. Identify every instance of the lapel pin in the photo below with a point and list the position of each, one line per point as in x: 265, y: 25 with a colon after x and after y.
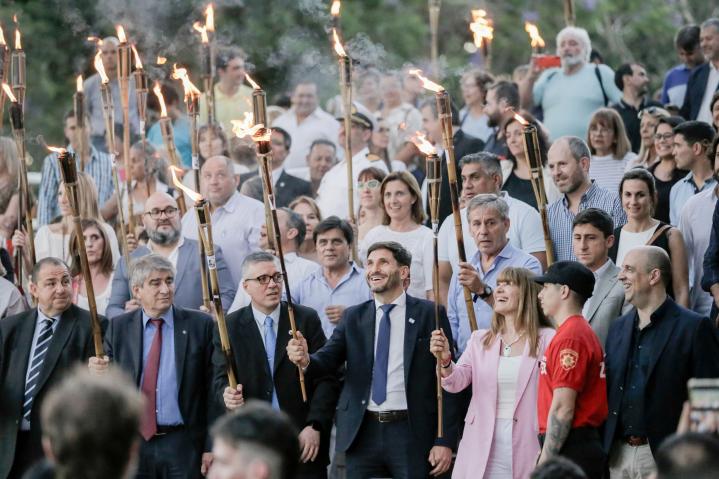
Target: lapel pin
x: 184, y: 331
x: 411, y: 320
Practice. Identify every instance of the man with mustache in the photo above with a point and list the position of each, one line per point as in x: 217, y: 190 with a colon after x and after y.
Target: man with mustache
x: 386, y: 421
x: 162, y: 223
x: 569, y: 95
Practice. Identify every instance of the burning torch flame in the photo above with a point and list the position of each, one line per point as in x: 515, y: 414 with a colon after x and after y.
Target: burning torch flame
x: 421, y: 142
x: 335, y: 9
x: 191, y: 90
x: 243, y: 128
x: 161, y: 60
x: 195, y: 196
x: 2, y: 38
x: 79, y: 83
x: 56, y: 149
x: 210, y: 18
x: 202, y: 30
x: 426, y: 83
x: 254, y: 84
x: 8, y: 91
x: 533, y: 31
x: 138, y: 61
x: 101, y: 68
x: 338, y: 45
x: 96, y: 40
x: 481, y: 27
x: 18, y: 44
x: 157, y: 90
x: 520, y: 119
x: 121, y: 34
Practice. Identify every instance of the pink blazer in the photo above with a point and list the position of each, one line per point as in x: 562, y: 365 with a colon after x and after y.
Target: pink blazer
x: 478, y: 366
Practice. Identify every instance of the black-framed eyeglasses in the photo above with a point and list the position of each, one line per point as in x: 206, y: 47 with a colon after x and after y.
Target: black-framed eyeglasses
x: 264, y: 279
x: 156, y: 213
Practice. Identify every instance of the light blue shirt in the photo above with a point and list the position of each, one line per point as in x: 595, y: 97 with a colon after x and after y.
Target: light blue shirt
x: 456, y: 307
x: 314, y: 292
x: 168, y: 407
x: 181, y: 134
x: 681, y: 192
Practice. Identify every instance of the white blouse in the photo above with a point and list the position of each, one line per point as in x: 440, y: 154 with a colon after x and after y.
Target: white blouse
x: 507, y: 375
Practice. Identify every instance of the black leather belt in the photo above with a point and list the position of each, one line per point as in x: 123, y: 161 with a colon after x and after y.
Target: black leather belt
x: 164, y: 430
x: 388, y: 416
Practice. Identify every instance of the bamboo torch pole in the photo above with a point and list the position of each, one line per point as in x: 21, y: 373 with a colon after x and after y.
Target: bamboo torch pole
x: 68, y: 170
x: 123, y: 78
x: 141, y: 85
x: 434, y: 7
x: 78, y: 101
x: 569, y: 13
x: 444, y: 110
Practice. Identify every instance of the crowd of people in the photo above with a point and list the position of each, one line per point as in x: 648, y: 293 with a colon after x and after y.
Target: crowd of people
x: 584, y: 344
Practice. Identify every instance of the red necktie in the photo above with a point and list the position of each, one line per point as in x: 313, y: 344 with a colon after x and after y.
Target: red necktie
x: 148, y: 427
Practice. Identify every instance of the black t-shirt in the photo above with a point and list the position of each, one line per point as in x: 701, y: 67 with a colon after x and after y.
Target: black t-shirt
x: 520, y: 189
x: 663, y: 190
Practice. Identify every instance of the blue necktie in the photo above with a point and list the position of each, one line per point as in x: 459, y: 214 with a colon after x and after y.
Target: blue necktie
x: 35, y: 365
x: 270, y: 341
x: 381, y: 357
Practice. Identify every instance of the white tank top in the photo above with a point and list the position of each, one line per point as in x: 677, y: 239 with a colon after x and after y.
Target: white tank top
x: 507, y: 375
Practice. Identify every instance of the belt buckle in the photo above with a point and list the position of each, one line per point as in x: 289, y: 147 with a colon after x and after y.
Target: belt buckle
x: 381, y: 415
x: 160, y: 434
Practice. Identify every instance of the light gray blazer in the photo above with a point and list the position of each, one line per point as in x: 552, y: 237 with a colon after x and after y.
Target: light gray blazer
x: 607, y: 302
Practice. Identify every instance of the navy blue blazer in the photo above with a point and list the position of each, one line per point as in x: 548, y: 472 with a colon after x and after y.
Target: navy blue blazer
x: 696, y: 85
x: 710, y: 264
x: 687, y: 348
x: 353, y: 341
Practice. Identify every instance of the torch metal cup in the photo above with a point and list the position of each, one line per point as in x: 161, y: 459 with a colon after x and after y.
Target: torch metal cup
x: 202, y: 209
x: 17, y: 76
x: 168, y: 139
x: 534, y: 159
x: 123, y: 77
x: 434, y: 7
x: 434, y: 179
x: 68, y: 170
x: 265, y: 155
x: 445, y: 117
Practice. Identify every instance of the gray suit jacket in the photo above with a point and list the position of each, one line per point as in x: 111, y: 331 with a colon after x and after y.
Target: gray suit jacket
x: 188, y: 293
x: 607, y: 302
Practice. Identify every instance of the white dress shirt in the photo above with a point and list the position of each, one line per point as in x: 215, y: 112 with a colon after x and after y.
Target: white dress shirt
x: 235, y: 228
x: 396, y: 393
x: 260, y: 320
x: 172, y: 257
x: 318, y: 125
x: 705, y: 113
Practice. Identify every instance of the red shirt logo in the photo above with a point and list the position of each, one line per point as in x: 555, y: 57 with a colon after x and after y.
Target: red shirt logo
x: 568, y: 359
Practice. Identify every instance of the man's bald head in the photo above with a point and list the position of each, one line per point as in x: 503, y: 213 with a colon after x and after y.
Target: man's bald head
x: 216, y: 161
x: 217, y: 180
x: 653, y: 257
x: 162, y: 219
x: 159, y: 200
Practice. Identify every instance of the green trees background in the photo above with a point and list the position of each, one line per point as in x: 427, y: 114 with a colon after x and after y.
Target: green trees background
x: 288, y: 39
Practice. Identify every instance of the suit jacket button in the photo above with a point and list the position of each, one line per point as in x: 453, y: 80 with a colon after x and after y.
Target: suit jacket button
x: 614, y: 412
x: 363, y: 401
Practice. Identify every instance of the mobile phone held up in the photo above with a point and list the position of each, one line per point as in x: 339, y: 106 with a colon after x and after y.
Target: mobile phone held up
x: 546, y: 61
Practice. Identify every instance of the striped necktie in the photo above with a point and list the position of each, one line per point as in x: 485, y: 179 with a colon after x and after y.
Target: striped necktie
x: 38, y: 357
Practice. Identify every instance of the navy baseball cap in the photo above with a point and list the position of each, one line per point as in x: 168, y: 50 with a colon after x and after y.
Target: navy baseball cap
x: 572, y: 274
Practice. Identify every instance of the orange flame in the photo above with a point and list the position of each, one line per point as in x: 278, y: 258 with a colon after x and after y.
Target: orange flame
x: 157, y: 90
x: 338, y: 45
x: 254, y: 84
x: 520, y: 119
x: 2, y: 37
x: 8, y: 91
x: 121, y: 34
x: 96, y: 40
x: 78, y: 84
x: 56, y: 149
x: 243, y: 128
x: 161, y: 60
x: 481, y: 27
x: 195, y: 196
x: 202, y: 30
x: 18, y: 44
x: 191, y: 90
x: 138, y: 61
x: 426, y: 83
x: 534, y: 37
x: 101, y: 68
x: 335, y: 9
x: 210, y: 18
x: 421, y: 142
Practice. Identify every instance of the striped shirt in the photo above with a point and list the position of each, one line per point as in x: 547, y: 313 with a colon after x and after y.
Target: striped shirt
x: 561, y: 218
x: 99, y: 168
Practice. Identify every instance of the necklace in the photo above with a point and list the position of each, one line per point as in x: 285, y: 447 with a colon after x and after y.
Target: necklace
x: 507, y: 348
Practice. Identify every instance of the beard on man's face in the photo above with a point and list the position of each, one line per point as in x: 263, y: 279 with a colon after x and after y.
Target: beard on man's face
x: 163, y: 238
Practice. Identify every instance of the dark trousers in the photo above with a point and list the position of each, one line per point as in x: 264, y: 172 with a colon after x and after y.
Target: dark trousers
x: 26, y: 454
x: 383, y: 450
x: 169, y: 456
x: 583, y: 446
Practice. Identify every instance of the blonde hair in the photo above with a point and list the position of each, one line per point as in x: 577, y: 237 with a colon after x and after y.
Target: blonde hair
x: 609, y: 118
x: 86, y: 197
x: 8, y: 156
x: 418, y: 215
x: 530, y: 318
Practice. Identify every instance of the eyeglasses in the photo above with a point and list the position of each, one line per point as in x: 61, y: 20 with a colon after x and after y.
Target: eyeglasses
x: 665, y: 136
x: 264, y: 279
x: 371, y: 184
x: 600, y: 130
x: 156, y: 213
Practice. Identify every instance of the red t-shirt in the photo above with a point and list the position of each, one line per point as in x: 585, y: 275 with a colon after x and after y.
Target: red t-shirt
x: 574, y: 359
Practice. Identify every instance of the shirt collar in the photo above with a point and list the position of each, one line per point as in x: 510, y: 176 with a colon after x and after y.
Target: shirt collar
x: 690, y: 179
x: 400, y: 301
x: 658, y: 313
x: 231, y: 203
x: 180, y: 242
x: 354, y: 269
x: 602, y: 268
x: 505, y: 253
x: 260, y: 316
x: 585, y: 197
x: 42, y: 316
x: 168, y: 316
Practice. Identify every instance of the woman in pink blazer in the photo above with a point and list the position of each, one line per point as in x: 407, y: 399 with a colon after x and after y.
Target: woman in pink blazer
x: 502, y: 364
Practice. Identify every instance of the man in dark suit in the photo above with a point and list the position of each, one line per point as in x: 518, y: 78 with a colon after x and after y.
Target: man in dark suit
x: 387, y: 413
x: 167, y: 350
x: 258, y: 336
x: 286, y: 187
x: 463, y: 145
x: 651, y: 353
x: 39, y: 347
x: 704, y: 80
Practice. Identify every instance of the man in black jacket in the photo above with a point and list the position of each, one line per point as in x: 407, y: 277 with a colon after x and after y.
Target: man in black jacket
x: 258, y: 336
x: 38, y: 347
x: 651, y: 353
x: 703, y: 81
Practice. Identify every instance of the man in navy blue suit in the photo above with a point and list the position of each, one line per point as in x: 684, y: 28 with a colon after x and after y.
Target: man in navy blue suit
x: 703, y: 81
x: 387, y: 413
x: 651, y: 353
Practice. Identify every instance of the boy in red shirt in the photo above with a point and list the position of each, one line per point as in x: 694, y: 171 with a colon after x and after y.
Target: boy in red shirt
x: 572, y: 400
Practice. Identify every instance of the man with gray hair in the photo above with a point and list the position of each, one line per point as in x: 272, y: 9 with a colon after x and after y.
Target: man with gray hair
x: 568, y: 162
x: 703, y: 81
x: 489, y: 223
x: 651, y: 353
x: 162, y: 223
x: 568, y: 95
x: 167, y: 350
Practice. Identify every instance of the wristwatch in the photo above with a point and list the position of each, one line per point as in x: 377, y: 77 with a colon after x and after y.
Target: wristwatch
x: 486, y: 292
